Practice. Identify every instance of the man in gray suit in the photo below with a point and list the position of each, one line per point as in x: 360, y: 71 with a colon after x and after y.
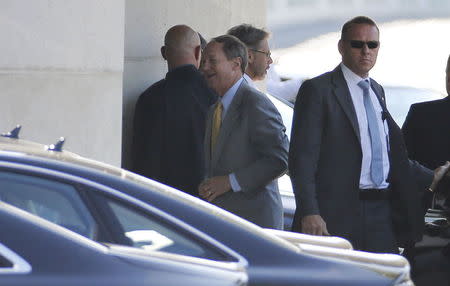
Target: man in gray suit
x: 347, y: 159
x: 245, y: 141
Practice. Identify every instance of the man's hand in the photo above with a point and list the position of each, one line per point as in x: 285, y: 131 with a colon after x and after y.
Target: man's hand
x: 213, y: 187
x: 314, y: 224
x: 439, y: 173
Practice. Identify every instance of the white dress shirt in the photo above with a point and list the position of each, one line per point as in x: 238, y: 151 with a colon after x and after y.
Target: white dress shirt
x: 249, y: 80
x: 356, y: 93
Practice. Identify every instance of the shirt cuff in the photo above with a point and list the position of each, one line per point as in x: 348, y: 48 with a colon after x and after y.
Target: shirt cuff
x: 234, y: 183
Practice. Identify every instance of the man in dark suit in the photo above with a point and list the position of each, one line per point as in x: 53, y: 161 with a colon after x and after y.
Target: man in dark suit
x: 169, y: 122
x: 245, y: 141
x: 427, y: 130
x: 347, y: 161
x: 427, y: 135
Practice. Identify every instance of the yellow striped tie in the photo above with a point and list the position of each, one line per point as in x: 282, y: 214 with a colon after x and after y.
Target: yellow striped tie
x: 217, y: 121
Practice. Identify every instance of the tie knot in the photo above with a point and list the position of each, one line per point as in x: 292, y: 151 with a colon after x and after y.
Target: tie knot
x: 219, y: 107
x: 364, y: 84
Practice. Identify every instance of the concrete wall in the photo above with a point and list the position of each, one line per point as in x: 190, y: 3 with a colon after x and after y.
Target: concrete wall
x: 61, y: 68
x: 145, y: 25
x: 75, y: 68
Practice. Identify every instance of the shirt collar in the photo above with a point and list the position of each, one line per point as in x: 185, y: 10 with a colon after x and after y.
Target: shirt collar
x: 249, y: 80
x: 229, y: 95
x: 351, y: 77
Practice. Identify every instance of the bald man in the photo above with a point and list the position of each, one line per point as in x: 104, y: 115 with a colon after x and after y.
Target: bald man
x: 169, y: 121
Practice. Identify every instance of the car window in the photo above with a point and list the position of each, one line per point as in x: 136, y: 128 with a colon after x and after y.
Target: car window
x: 12, y: 263
x: 5, y: 263
x: 54, y: 201
x: 151, y: 233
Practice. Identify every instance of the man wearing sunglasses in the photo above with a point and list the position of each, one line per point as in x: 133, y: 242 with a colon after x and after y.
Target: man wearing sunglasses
x: 259, y: 56
x: 347, y: 161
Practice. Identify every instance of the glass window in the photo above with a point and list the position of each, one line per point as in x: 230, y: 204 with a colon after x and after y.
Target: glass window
x: 12, y: 263
x: 5, y: 263
x: 151, y: 233
x: 54, y: 201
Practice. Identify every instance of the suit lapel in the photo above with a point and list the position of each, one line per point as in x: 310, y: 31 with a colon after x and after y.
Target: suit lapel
x: 229, y: 121
x: 379, y: 93
x: 395, y: 134
x: 345, y: 100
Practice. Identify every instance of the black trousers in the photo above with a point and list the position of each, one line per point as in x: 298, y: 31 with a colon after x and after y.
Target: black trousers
x: 377, y: 234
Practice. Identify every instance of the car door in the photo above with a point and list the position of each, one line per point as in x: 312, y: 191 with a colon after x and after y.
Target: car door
x: 49, y: 198
x: 106, y: 215
x: 35, y: 252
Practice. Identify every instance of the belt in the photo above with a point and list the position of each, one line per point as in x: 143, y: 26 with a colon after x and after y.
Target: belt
x: 374, y: 194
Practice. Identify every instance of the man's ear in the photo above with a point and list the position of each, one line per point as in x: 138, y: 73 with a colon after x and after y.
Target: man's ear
x: 163, y: 52
x: 198, y: 56
x: 237, y: 63
x: 341, y: 46
x: 198, y: 53
x: 251, y: 57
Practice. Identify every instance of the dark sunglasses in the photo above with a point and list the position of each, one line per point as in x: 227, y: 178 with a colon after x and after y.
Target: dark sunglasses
x: 360, y: 44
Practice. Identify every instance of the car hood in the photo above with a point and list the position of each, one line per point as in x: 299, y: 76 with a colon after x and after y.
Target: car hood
x: 393, y: 266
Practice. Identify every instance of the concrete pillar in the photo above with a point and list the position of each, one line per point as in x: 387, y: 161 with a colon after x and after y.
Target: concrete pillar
x: 75, y: 68
x: 61, y: 69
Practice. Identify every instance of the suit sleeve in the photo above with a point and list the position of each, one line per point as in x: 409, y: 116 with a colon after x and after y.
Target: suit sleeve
x: 138, y: 143
x: 422, y: 174
x: 408, y: 132
x: 147, y: 134
x: 306, y: 137
x: 268, y: 138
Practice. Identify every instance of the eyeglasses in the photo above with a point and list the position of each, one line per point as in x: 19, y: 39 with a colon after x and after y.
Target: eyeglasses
x: 360, y: 44
x: 268, y: 54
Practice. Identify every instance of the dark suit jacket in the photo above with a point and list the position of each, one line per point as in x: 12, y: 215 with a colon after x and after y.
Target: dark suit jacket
x: 325, y: 161
x: 427, y: 134
x: 253, y: 145
x: 169, y: 127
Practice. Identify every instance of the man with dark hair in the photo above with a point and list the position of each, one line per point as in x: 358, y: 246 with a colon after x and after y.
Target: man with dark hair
x: 203, y: 42
x: 169, y: 122
x: 245, y: 143
x: 259, y: 56
x: 347, y: 161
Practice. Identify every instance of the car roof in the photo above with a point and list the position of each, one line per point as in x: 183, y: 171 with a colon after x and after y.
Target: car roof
x: 25, y: 154
x: 27, y: 148
x: 15, y: 149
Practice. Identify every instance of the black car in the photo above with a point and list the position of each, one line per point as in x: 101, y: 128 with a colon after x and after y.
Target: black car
x: 36, y: 252
x: 114, y: 206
